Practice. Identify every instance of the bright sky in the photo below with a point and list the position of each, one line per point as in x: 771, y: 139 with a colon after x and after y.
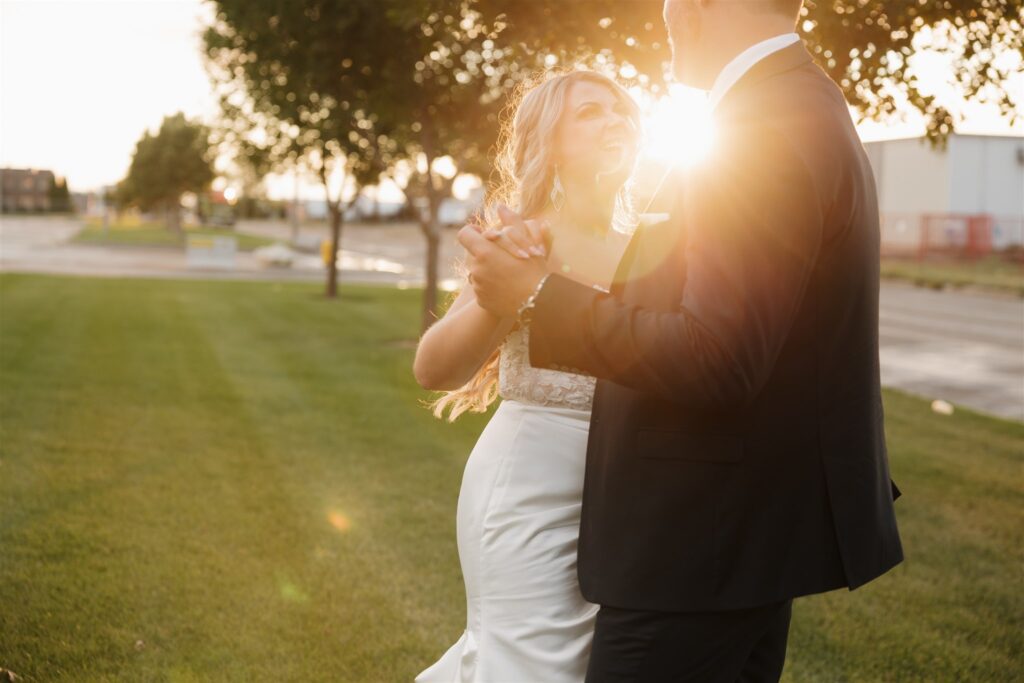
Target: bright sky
x: 81, y: 80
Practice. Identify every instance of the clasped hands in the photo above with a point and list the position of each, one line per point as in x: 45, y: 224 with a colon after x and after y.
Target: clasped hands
x: 506, y: 264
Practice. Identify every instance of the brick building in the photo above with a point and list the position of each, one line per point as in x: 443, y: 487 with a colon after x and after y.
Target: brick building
x: 25, y: 190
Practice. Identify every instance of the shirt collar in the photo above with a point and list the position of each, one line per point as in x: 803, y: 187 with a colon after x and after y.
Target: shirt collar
x: 744, y: 61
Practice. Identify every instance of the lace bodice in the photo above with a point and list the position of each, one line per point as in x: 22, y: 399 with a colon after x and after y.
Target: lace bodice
x: 519, y: 381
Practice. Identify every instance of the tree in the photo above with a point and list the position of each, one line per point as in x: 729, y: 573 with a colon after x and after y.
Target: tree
x: 441, y: 99
x: 866, y: 48
x: 178, y: 159
x: 354, y: 85
x: 60, y: 197
x: 864, y: 45
x: 294, y: 81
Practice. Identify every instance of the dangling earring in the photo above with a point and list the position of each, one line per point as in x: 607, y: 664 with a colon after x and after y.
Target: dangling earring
x: 557, y: 193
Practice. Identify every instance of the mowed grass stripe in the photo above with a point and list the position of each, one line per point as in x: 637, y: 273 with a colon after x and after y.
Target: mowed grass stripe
x: 241, y: 476
x: 953, y: 610
x: 366, y: 454
x: 242, y: 498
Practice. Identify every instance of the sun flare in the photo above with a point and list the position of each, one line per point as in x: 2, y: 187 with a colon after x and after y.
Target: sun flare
x: 678, y: 128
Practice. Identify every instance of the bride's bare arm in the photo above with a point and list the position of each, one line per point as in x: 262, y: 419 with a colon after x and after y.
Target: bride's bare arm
x: 456, y: 346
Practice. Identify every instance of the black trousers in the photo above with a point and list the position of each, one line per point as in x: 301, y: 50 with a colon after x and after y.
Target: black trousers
x: 701, y: 647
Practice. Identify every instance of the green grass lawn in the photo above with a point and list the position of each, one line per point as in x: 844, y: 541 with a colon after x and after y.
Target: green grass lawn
x: 993, y: 273
x: 231, y: 481
x: 156, y: 235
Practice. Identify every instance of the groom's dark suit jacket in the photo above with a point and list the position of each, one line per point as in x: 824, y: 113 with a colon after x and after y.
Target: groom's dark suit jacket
x: 737, y: 454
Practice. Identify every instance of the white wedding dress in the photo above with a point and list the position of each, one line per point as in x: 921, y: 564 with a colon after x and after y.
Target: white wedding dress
x: 518, y: 523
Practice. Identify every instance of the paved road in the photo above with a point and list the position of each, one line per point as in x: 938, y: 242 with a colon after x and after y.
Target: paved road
x: 398, y: 246
x: 379, y: 254
x: 965, y: 348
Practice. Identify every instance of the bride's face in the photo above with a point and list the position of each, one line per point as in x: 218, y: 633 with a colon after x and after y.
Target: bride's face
x: 595, y: 136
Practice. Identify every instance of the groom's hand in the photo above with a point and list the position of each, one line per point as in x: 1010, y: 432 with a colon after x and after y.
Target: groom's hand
x: 501, y: 281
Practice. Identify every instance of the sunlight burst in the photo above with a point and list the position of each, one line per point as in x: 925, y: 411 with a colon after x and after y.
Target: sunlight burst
x: 678, y: 129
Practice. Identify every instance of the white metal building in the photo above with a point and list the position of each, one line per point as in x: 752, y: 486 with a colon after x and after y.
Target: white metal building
x: 977, y: 177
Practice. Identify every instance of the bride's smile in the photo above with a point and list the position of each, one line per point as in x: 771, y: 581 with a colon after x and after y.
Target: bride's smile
x: 597, y: 137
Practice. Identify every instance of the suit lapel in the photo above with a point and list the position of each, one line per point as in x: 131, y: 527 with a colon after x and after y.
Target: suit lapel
x: 639, y: 254
x: 622, y: 271
x: 651, y: 271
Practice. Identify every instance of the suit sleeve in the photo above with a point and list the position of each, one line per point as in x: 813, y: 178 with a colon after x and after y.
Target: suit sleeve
x: 754, y: 225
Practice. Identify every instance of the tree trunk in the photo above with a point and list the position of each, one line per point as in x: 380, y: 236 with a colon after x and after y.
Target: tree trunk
x: 431, y: 229
x: 430, y: 310
x: 294, y: 213
x: 337, y: 219
x: 337, y: 212
x: 174, y: 216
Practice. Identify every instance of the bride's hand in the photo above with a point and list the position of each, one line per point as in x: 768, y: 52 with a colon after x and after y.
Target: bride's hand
x: 521, y: 238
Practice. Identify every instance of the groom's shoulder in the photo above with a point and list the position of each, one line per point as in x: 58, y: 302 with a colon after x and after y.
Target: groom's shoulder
x: 795, y: 125
x: 803, y: 107
x: 803, y: 98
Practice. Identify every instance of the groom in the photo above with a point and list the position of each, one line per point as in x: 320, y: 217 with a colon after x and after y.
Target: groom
x: 737, y: 458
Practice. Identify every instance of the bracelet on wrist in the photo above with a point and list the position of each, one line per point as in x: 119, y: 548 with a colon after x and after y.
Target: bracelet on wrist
x: 524, y: 316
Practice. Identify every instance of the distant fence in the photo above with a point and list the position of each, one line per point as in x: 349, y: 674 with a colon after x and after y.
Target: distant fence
x: 958, y: 235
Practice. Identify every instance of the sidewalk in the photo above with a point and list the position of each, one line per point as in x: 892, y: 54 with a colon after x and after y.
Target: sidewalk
x: 42, y: 245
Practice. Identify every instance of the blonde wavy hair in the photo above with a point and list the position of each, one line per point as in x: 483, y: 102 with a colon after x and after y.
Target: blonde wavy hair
x: 523, y: 176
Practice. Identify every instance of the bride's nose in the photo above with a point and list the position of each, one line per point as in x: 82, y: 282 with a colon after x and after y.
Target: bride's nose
x: 619, y: 123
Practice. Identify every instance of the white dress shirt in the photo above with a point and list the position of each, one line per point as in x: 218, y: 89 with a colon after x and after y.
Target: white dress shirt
x: 744, y: 62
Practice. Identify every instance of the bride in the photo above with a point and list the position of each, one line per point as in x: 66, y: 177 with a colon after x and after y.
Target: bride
x: 564, y: 162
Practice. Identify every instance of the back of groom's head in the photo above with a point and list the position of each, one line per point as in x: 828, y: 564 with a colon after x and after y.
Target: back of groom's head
x: 706, y: 34
x: 787, y: 8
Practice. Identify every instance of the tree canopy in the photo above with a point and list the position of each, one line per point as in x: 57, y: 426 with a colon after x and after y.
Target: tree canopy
x: 358, y: 85
x: 177, y: 159
x: 865, y: 46
x: 295, y: 82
